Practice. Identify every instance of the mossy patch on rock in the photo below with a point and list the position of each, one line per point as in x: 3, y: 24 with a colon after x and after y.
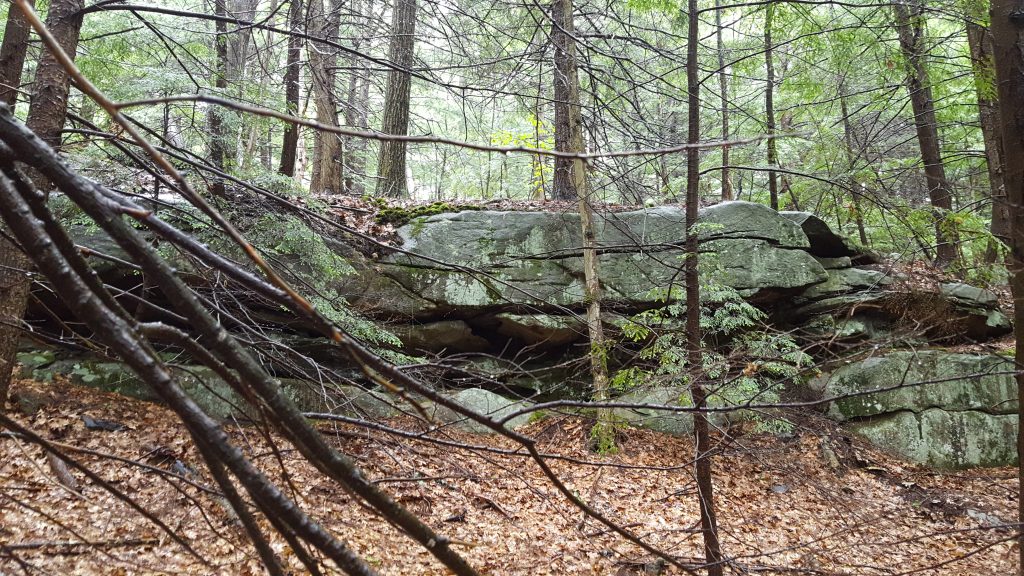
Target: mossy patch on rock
x: 399, y: 216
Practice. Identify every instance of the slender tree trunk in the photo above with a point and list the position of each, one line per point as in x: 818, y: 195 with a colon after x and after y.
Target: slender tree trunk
x: 603, y: 432
x: 851, y: 163
x: 14, y: 287
x: 574, y: 185
x: 327, y: 153
x: 239, y: 45
x: 218, y: 135
x: 979, y: 39
x: 52, y: 85
x: 694, y: 351
x: 568, y: 116
x: 391, y: 161
x: 354, y: 149
x: 12, y: 54
x: 46, y: 115
x: 769, y: 106
x: 1008, y: 50
x: 723, y: 87
x: 910, y: 26
x: 289, y: 147
x: 539, y: 163
x: 663, y: 171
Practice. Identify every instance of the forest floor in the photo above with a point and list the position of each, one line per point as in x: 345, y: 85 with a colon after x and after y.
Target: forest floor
x: 814, y: 502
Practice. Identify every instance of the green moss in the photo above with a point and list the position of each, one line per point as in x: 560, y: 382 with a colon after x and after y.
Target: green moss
x: 602, y: 438
x: 398, y: 216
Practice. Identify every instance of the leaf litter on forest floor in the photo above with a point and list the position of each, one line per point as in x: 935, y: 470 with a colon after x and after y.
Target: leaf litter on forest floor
x: 870, y: 515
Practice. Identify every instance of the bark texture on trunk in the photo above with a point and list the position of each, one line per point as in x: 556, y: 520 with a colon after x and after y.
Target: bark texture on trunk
x: 327, y: 152
x: 979, y: 39
x: 694, y: 351
x: 46, y: 116
x: 723, y: 88
x: 239, y: 49
x: 14, y: 287
x: 354, y: 149
x: 910, y: 26
x: 769, y: 107
x: 851, y: 162
x: 568, y: 116
x: 12, y: 54
x: 49, y: 105
x: 1008, y: 50
x: 391, y: 160
x: 604, y: 430
x: 218, y: 136
x: 289, y: 147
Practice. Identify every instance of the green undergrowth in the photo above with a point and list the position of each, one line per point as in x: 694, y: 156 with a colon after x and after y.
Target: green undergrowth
x: 744, y: 361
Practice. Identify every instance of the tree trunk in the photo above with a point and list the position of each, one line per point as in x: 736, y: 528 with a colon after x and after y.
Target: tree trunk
x: 769, y: 107
x: 391, y: 161
x: 539, y: 163
x: 723, y: 87
x: 910, y: 26
x: 1008, y: 50
x: 568, y: 116
x: 289, y: 147
x: 354, y: 149
x: 46, y: 115
x: 218, y: 135
x: 327, y: 160
x: 239, y: 46
x: 603, y: 432
x: 979, y: 39
x: 49, y: 105
x: 851, y: 163
x: 694, y: 352
x: 14, y: 286
x: 12, y: 54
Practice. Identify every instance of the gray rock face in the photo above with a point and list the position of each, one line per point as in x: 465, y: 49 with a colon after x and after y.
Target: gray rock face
x: 968, y: 295
x: 934, y: 407
x: 543, y: 329
x: 847, y: 280
x: 445, y: 335
x: 674, y: 423
x: 485, y: 281
x: 482, y: 402
x: 533, y: 259
x: 945, y: 439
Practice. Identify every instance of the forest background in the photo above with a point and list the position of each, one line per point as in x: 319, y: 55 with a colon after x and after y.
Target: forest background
x: 883, y: 119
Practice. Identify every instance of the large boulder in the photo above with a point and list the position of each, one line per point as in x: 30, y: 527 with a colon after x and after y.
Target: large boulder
x: 471, y: 262
x: 845, y: 281
x: 930, y: 406
x: 918, y: 380
x: 484, y: 402
x: 945, y: 439
x: 949, y: 313
x: 541, y: 329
